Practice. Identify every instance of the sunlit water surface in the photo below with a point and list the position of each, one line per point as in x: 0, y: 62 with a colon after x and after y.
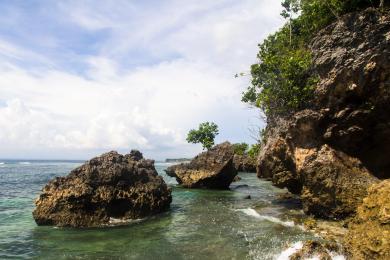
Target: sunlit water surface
x: 201, y: 224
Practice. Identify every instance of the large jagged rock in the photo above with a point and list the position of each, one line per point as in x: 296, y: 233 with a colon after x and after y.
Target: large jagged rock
x: 333, y: 183
x: 369, y: 232
x: 331, y: 152
x: 213, y: 169
x: 330, y: 182
x: 244, y: 163
x: 109, y: 187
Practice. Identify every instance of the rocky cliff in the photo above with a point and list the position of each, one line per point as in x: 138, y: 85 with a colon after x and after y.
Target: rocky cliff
x: 106, y: 188
x: 331, y: 152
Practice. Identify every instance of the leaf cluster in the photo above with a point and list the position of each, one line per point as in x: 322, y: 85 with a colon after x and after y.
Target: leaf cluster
x: 254, y: 150
x: 240, y: 148
x: 205, y: 134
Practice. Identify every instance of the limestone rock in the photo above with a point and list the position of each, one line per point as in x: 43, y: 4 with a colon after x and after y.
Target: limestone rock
x: 333, y: 183
x: 332, y: 151
x: 213, y: 169
x: 369, y: 232
x: 111, y: 186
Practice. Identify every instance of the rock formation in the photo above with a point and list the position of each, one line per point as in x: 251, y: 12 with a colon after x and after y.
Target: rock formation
x: 244, y: 163
x: 213, y: 169
x: 369, y: 232
x: 111, y: 186
x: 331, y: 152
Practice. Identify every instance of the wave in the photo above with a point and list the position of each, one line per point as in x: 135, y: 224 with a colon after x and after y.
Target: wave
x: 286, y: 254
x: 119, y: 222
x: 253, y: 213
x: 2, y: 163
x: 24, y: 163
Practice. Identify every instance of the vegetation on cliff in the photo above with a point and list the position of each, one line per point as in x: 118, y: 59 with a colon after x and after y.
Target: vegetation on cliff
x: 283, y: 81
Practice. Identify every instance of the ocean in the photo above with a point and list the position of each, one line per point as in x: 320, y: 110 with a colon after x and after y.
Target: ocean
x: 201, y: 224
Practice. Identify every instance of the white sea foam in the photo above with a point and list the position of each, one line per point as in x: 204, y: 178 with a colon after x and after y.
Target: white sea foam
x: 253, y: 213
x: 337, y: 256
x: 118, y: 221
x: 285, y: 255
x: 2, y: 163
x: 24, y: 163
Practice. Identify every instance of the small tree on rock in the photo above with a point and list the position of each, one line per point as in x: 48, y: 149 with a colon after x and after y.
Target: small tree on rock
x: 205, y: 135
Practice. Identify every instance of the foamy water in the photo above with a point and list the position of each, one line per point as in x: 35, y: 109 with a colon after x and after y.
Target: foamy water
x: 254, y: 213
x: 285, y: 255
x: 24, y: 163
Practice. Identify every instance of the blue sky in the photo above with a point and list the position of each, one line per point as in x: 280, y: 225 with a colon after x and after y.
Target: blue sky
x: 78, y: 78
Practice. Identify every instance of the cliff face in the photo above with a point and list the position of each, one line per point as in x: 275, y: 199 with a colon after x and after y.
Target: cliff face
x: 331, y: 153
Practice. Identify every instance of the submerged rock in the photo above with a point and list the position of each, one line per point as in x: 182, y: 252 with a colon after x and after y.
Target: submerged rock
x: 111, y: 186
x: 369, y: 232
x: 213, y: 169
x: 237, y: 178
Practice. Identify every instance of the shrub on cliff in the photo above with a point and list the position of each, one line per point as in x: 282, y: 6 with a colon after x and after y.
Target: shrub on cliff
x: 283, y: 81
x: 240, y: 148
x: 254, y: 150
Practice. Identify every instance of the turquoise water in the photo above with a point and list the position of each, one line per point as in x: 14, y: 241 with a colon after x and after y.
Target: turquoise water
x: 201, y: 224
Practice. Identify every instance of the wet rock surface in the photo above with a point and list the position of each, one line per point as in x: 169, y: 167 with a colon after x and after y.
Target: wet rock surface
x: 213, y: 169
x: 111, y: 186
x: 315, y: 250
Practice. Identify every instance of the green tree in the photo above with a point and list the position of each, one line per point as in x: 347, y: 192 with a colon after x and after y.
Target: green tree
x: 205, y: 135
x: 254, y: 150
x: 240, y: 148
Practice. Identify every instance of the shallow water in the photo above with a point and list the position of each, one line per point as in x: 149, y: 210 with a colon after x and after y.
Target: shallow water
x: 201, y: 224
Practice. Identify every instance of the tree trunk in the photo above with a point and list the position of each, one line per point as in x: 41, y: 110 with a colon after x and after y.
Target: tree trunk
x: 382, y: 4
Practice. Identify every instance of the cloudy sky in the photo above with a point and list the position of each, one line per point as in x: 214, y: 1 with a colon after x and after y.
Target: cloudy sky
x: 78, y: 78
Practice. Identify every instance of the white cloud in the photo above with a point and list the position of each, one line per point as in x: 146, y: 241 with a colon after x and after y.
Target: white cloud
x: 55, y: 113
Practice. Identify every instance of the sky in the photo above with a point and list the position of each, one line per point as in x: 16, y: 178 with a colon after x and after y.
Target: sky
x: 79, y: 77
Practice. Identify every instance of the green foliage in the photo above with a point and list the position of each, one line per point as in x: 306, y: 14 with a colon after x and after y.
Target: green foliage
x: 283, y: 81
x: 205, y: 135
x: 254, y: 150
x: 240, y: 148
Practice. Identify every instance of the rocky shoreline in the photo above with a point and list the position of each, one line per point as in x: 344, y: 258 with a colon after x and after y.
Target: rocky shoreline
x: 334, y: 155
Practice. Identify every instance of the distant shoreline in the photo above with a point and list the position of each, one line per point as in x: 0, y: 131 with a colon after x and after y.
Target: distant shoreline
x: 176, y: 160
